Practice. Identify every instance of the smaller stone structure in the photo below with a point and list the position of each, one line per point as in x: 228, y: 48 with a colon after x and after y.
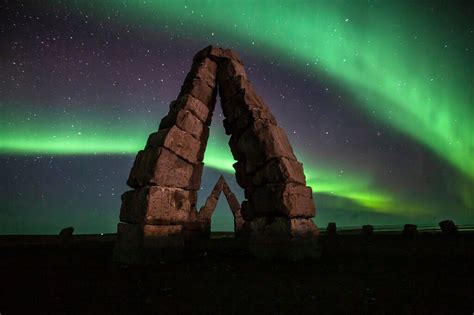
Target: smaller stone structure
x: 206, y: 211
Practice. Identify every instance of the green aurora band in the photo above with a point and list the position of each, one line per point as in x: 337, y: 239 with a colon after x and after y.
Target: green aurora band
x: 86, y: 135
x: 374, y: 55
x: 402, y: 65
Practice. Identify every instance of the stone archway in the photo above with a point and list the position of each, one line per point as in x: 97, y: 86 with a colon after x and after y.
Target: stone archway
x: 161, y: 210
x: 207, y: 210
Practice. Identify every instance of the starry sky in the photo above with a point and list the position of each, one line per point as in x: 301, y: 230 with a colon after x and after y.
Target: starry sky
x: 376, y: 98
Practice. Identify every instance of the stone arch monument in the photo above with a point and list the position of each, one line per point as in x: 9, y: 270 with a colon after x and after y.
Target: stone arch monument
x: 161, y: 210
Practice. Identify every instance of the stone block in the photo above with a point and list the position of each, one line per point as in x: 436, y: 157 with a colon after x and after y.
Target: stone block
x: 161, y: 167
x: 193, y: 198
x: 282, y: 200
x: 155, y: 205
x: 186, y: 121
x: 238, y: 91
x: 303, y: 228
x: 280, y: 170
x: 194, y: 105
x: 233, y: 202
x: 162, y: 236
x: 275, y: 171
x: 205, y: 213
x: 255, y: 147
x: 205, y: 70
x: 200, y: 90
x: 179, y: 142
x: 246, y: 121
x: 136, y: 242
x: 217, y: 53
x: 242, y: 177
x: 230, y: 68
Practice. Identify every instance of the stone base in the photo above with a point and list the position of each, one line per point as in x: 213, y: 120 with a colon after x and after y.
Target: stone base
x: 142, y: 243
x: 281, y: 238
x: 196, y: 235
x: 280, y: 229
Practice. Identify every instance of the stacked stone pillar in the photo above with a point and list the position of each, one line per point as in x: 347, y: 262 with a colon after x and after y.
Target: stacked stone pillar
x: 160, y: 212
x: 278, y: 206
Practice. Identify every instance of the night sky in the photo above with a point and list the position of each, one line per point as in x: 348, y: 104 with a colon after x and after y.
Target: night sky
x: 376, y: 98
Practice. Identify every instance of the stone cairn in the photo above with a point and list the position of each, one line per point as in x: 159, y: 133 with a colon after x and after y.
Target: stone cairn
x: 161, y: 210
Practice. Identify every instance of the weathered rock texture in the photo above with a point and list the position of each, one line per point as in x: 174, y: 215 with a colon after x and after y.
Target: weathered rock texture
x: 167, y: 173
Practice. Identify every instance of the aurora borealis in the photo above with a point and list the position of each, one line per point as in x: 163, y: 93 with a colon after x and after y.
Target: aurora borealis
x: 376, y: 98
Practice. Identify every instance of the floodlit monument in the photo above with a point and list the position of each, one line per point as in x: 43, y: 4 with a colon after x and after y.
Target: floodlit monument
x: 161, y: 211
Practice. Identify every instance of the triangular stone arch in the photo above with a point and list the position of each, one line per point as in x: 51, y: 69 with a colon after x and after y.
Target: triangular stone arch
x: 166, y: 174
x: 207, y: 210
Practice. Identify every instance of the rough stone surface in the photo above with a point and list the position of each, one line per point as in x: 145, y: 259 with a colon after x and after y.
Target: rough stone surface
x: 280, y: 170
x: 233, y: 202
x: 288, y: 200
x: 200, y: 90
x: 217, y: 53
x: 162, y: 236
x: 186, y: 121
x: 180, y: 142
x: 155, y: 205
x: 162, y: 167
x: 243, y: 178
x: 230, y: 68
x: 243, y: 117
x: 204, y: 70
x: 208, y: 209
x: 448, y: 227
x: 303, y: 228
x: 137, y: 243
x: 275, y: 171
x: 144, y: 235
x: 238, y: 91
x: 255, y: 147
x: 192, y: 104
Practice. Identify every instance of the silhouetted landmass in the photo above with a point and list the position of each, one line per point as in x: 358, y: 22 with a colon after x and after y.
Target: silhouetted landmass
x: 430, y: 273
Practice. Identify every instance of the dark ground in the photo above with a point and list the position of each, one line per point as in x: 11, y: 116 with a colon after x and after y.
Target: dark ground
x: 382, y: 274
